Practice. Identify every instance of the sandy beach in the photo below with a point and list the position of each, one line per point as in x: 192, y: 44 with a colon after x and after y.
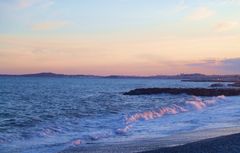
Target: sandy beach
x: 224, y: 140
x: 224, y: 144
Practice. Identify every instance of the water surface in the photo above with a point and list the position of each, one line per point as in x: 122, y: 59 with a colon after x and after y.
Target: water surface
x: 50, y: 114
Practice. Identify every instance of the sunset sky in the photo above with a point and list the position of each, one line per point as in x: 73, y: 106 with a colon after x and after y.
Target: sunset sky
x: 120, y: 37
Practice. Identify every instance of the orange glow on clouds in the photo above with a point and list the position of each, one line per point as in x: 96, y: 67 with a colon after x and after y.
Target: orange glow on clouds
x: 120, y: 37
x: 103, y: 57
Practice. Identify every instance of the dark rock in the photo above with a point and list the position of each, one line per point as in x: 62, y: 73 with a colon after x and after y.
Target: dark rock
x: 209, y: 80
x: 189, y: 91
x: 217, y: 85
x: 236, y: 84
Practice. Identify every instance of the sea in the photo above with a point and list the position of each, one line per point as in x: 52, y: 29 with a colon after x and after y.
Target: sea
x: 50, y: 114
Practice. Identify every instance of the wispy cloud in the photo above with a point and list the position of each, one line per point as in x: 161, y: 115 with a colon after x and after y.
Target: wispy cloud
x: 230, y: 65
x: 50, y: 25
x: 226, y: 26
x: 201, y: 13
x: 181, y: 6
x: 229, y: 1
x: 23, y: 4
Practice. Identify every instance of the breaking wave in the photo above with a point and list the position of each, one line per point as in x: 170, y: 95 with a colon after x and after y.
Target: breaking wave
x: 196, y: 103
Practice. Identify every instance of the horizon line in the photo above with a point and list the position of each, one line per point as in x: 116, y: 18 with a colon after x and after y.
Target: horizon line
x: 122, y: 75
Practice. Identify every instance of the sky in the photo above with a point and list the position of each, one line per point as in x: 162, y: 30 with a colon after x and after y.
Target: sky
x: 120, y: 37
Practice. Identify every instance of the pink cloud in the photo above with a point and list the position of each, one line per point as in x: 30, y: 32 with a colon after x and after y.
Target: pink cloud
x: 51, y: 25
x: 201, y: 13
x: 23, y: 4
x: 226, y: 26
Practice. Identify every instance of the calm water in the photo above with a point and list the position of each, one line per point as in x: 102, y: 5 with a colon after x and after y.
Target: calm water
x: 50, y: 114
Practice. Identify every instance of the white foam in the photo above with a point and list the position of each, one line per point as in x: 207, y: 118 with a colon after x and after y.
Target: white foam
x: 149, y: 115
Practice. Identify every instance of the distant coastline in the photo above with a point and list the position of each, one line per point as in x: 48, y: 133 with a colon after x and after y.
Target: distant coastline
x: 195, y: 77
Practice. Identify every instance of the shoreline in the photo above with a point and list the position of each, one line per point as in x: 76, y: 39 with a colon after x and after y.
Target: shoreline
x: 170, y: 143
x: 222, y: 144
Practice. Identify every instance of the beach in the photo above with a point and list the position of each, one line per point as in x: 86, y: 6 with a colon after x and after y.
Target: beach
x: 223, y: 140
x: 224, y: 144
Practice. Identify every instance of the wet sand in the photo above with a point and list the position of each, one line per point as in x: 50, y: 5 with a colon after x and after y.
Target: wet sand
x: 224, y: 144
x: 224, y: 140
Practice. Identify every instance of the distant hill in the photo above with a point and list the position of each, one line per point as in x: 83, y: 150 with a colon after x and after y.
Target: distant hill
x: 45, y: 74
x: 195, y: 77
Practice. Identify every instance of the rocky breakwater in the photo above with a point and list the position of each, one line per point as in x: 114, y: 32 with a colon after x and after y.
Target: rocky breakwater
x: 188, y: 91
x: 236, y: 84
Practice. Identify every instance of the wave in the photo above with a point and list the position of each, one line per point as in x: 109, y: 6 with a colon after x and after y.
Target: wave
x: 76, y: 142
x: 149, y: 115
x: 197, y: 103
x: 124, y: 130
x: 193, y: 104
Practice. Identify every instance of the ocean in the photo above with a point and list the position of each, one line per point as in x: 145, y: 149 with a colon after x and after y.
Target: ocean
x: 50, y: 114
